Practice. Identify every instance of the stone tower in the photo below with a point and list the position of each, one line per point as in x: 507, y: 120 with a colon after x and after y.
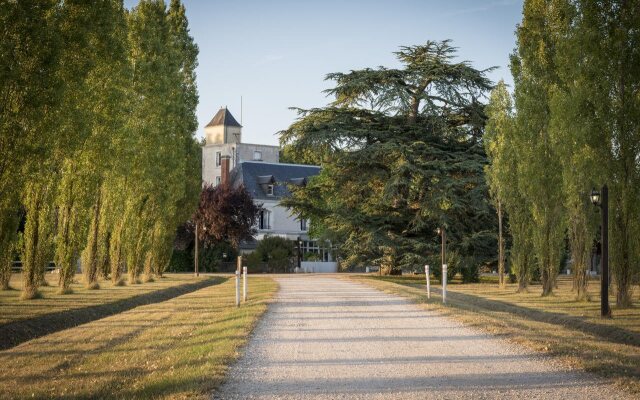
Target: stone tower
x: 223, y: 141
x: 223, y: 129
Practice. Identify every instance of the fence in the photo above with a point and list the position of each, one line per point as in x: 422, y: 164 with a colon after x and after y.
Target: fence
x: 319, y: 266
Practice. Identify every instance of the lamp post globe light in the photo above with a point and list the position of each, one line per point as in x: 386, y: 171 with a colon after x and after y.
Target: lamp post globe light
x: 595, y: 197
x: 601, y: 199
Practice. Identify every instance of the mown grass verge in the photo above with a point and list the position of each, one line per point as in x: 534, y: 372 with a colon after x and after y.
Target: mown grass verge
x: 12, y: 308
x: 180, y: 348
x: 21, y: 330
x: 556, y: 326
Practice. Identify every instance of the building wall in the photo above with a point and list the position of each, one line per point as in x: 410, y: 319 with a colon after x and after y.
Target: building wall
x: 270, y: 154
x: 281, y: 221
x: 238, y: 152
x: 221, y: 134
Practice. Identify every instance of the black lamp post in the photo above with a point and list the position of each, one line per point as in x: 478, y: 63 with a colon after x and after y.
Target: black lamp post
x: 601, y: 199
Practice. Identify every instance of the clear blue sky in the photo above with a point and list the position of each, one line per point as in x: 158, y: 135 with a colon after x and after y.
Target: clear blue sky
x: 275, y: 53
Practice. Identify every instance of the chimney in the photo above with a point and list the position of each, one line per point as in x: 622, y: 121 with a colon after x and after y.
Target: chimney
x: 224, y: 165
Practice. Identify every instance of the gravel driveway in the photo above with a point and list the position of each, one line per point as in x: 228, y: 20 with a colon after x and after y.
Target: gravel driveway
x: 326, y: 338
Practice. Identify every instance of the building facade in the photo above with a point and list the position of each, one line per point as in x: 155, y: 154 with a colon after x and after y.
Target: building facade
x: 257, y: 167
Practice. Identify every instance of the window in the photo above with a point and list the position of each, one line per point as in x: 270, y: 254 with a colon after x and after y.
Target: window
x: 218, y: 158
x: 269, y: 190
x: 303, y: 225
x: 257, y: 155
x: 263, y: 220
x: 217, y: 180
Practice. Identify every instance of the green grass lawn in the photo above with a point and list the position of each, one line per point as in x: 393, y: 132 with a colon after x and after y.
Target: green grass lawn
x: 14, y: 309
x: 556, y: 325
x: 175, y: 349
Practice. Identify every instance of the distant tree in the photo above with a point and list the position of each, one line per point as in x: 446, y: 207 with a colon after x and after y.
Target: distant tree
x: 402, y: 155
x: 503, y: 143
x: 499, y: 128
x: 226, y: 214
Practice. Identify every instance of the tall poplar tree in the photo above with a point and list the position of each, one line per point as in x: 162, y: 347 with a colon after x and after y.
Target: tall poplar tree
x: 597, y: 115
x: 535, y: 77
x: 30, y: 90
x: 498, y: 130
x: 95, y: 108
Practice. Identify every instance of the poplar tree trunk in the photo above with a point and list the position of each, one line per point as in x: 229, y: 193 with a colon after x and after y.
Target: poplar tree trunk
x: 388, y: 266
x: 65, y: 253
x: 115, y: 253
x: 148, y: 268
x: 90, y: 254
x: 8, y: 235
x: 36, y: 239
x: 501, y: 280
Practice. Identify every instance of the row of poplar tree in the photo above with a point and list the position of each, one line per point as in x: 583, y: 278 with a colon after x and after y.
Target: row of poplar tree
x: 573, y: 123
x: 97, y: 120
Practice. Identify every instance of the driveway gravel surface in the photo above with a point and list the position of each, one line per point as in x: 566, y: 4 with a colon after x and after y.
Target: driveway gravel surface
x: 327, y: 338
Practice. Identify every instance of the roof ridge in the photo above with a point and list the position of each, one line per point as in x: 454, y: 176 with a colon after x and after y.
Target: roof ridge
x: 283, y: 164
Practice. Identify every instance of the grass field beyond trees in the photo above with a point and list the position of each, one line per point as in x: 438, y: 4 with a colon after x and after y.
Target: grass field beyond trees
x: 175, y: 349
x: 555, y: 325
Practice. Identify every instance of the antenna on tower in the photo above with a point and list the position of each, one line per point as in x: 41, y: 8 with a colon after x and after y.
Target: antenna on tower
x: 240, y: 110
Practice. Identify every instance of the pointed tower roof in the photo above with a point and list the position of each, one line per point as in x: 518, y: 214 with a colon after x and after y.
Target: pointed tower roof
x: 223, y: 117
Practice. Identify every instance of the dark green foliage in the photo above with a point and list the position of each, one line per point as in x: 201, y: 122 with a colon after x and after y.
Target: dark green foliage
x: 402, y: 155
x: 277, y: 252
x: 211, y: 257
x: 470, y: 270
x: 181, y: 261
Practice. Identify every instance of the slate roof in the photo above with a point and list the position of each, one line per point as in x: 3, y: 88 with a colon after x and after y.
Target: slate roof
x: 223, y: 117
x: 256, y: 176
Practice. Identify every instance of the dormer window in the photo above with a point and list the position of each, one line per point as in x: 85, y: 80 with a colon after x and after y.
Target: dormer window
x: 267, y: 183
x: 257, y: 155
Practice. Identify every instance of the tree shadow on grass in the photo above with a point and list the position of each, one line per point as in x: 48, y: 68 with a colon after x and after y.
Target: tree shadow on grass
x: 14, y: 333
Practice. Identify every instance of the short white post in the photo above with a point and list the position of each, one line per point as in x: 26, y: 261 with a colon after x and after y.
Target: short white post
x: 444, y: 283
x: 427, y: 273
x: 237, y: 288
x: 244, y: 284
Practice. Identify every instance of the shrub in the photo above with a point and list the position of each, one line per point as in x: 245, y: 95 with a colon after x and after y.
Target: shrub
x: 453, y: 261
x: 470, y: 270
x: 277, y: 252
x: 181, y: 261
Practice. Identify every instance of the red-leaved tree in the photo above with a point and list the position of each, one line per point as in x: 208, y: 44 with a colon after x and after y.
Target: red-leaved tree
x: 226, y: 214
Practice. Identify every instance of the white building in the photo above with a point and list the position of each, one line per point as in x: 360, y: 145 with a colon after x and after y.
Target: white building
x: 257, y: 167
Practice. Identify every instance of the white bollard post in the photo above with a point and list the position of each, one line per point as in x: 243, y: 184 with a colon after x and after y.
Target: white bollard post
x: 237, y: 288
x: 444, y: 283
x: 244, y: 284
x: 427, y: 273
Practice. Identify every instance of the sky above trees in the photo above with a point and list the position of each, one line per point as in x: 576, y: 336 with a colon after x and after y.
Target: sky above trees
x: 276, y: 53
